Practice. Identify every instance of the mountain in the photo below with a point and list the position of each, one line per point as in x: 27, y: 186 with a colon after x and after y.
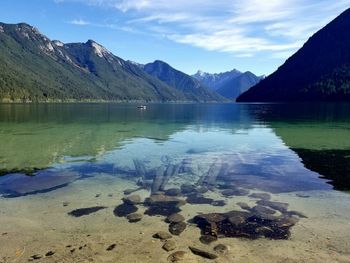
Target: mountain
x: 188, y: 85
x: 217, y: 80
x: 229, y: 84
x: 319, y: 71
x: 33, y: 69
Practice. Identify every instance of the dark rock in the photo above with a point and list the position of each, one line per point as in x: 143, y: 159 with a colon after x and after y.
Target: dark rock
x: 132, y: 200
x: 262, y: 196
x: 163, y: 205
x: 237, y: 220
x: 175, y: 218
x: 111, y: 247
x: 177, y: 256
x: 202, y: 190
x: 235, y: 192
x: 296, y: 213
x: 203, y: 253
x: 279, y: 206
x: 243, y: 224
x: 188, y: 188
x: 221, y: 249
x: 177, y: 228
x: 196, y: 198
x: 49, y: 253
x: 207, y: 239
x: 302, y: 195
x: 173, y: 192
x: 35, y: 257
x: 124, y: 210
x: 243, y: 205
x: 134, y: 217
x: 218, y: 203
x: 85, y: 211
x: 65, y: 203
x: 263, y: 210
x: 97, y: 195
x: 162, y: 235
x: 169, y: 245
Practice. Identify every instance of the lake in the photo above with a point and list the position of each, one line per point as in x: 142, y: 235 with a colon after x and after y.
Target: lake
x: 96, y: 182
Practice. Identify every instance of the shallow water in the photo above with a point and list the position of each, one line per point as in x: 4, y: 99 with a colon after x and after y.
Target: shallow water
x: 65, y: 168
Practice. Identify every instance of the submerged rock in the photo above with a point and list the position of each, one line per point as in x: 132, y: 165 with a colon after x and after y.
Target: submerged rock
x: 178, y: 256
x: 197, y: 198
x: 263, y: 210
x: 279, y: 206
x: 175, y: 218
x: 163, y: 205
x: 218, y: 203
x: 162, y: 235
x: 169, y: 245
x: 177, y: 228
x: 132, y: 199
x: 244, y: 224
x: 203, y: 253
x: 124, y: 209
x: 235, y: 192
x: 243, y: 205
x: 111, y: 247
x: 173, y: 192
x: 262, y: 196
x: 221, y: 249
x: 207, y: 239
x: 134, y: 217
x: 85, y: 211
x: 188, y: 188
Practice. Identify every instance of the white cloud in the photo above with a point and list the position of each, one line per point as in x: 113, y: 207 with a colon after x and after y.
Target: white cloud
x: 79, y: 22
x: 243, y: 28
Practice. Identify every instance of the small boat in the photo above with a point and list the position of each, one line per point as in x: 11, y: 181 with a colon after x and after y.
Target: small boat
x: 142, y: 107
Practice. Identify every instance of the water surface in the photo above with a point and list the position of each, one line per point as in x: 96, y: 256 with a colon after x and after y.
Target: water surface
x: 59, y: 158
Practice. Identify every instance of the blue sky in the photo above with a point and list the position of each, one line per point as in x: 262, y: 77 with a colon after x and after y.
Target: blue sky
x: 213, y: 36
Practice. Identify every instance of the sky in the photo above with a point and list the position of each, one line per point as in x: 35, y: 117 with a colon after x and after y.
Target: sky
x: 213, y: 36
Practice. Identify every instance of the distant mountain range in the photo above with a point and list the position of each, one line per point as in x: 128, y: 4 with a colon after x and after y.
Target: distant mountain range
x: 190, y: 86
x: 319, y: 71
x: 229, y: 84
x: 34, y: 68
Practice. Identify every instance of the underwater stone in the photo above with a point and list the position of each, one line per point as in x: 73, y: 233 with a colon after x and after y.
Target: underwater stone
x: 262, y: 196
x: 124, y: 209
x: 177, y: 228
x: 218, y: 203
x: 196, y: 198
x: 169, y: 245
x: 49, y: 253
x: 132, y: 199
x: 111, y: 247
x: 175, y: 218
x: 173, y: 192
x: 202, y: 190
x: 162, y: 235
x: 263, y: 210
x: 243, y: 205
x: 221, y: 249
x: 203, y: 253
x: 177, y: 256
x: 235, y: 192
x: 279, y: 206
x: 188, y: 188
x: 85, y: 211
x: 134, y: 217
x: 207, y: 239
